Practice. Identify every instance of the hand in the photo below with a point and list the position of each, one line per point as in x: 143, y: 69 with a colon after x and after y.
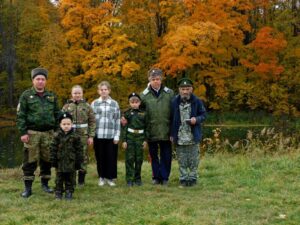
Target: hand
x: 124, y: 145
x: 144, y: 145
x: 116, y: 142
x: 193, y: 120
x: 25, y: 138
x: 90, y: 141
x: 123, y: 121
x: 171, y: 139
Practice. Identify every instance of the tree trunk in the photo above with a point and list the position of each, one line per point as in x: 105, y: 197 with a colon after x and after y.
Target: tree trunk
x: 296, y: 11
x: 8, y: 59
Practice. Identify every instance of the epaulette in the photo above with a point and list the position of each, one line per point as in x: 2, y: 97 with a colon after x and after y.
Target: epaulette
x: 167, y: 90
x: 146, y: 91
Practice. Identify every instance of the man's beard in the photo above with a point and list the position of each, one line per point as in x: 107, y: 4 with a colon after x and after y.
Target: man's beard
x: 185, y: 98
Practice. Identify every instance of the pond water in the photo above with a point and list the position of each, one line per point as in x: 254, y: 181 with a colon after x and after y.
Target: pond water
x: 11, y: 148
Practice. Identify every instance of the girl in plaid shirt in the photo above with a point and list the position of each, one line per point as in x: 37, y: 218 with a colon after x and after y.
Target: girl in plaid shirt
x: 107, y: 113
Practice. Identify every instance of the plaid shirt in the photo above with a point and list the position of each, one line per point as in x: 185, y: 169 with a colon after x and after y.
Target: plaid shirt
x: 107, y: 113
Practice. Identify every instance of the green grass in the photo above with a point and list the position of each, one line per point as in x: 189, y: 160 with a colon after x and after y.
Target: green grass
x: 235, y: 189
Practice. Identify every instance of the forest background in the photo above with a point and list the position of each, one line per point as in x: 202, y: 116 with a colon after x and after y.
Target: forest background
x: 242, y: 54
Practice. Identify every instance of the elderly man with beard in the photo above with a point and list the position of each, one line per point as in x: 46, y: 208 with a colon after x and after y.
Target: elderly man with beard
x: 188, y: 112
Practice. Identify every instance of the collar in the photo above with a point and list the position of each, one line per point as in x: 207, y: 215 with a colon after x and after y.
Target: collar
x: 35, y: 92
x: 108, y: 100
x: 65, y: 134
x: 156, y: 90
x: 72, y: 101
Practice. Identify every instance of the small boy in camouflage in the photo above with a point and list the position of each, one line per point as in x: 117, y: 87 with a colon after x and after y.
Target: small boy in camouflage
x: 84, y: 125
x: 134, y: 140
x: 66, y: 156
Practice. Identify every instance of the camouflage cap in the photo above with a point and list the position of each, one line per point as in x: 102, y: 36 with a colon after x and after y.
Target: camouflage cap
x: 39, y: 71
x: 185, y: 82
x: 155, y: 72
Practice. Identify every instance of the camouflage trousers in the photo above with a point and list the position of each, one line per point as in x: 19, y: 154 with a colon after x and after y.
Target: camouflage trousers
x: 83, y: 139
x: 188, y: 160
x: 64, y: 182
x: 85, y: 152
x: 37, y: 151
x: 134, y: 156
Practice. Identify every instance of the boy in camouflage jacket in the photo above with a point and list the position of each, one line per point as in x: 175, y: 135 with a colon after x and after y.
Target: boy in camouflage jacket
x: 66, y: 156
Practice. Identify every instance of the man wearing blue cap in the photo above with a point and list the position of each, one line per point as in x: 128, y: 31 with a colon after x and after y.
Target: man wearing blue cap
x: 188, y: 112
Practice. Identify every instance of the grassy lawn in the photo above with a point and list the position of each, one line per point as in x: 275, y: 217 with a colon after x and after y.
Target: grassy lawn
x: 232, y: 190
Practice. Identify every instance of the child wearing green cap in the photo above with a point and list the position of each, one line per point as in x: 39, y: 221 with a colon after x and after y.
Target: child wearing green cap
x: 134, y: 140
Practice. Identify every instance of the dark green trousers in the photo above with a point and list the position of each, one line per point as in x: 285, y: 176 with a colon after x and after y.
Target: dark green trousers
x: 134, y: 159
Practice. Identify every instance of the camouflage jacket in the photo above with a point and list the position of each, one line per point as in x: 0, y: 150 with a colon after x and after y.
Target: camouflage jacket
x: 82, y: 114
x: 37, y: 113
x: 66, y: 151
x: 158, y: 111
x: 136, y: 122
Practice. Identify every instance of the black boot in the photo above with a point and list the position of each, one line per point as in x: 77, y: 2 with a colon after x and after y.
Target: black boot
x: 81, y: 178
x: 58, y: 195
x: 68, y: 195
x: 45, y: 187
x: 27, y: 192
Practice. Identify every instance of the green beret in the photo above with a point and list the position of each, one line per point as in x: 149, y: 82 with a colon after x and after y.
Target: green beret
x: 39, y: 71
x: 185, y: 82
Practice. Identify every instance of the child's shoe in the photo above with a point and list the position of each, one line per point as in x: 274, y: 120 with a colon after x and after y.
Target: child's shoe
x: 138, y: 183
x: 111, y: 183
x: 101, y: 181
x: 68, y: 195
x: 58, y: 195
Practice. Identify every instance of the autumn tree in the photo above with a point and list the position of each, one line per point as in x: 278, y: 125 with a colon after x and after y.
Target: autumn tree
x: 94, y: 48
x: 265, y: 72
x: 204, y: 42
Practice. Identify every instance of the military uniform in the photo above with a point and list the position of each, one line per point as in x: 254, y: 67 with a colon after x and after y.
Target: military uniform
x: 37, y: 116
x: 134, y: 135
x: 158, y: 109
x: 66, y: 156
x: 84, y: 125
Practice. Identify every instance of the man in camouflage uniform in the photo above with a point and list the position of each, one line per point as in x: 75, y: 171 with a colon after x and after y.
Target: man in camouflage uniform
x: 36, y: 120
x: 188, y: 112
x: 84, y: 125
x: 134, y: 140
x: 156, y: 99
x: 66, y: 156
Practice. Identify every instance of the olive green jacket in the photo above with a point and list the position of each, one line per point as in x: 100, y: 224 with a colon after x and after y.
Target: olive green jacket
x: 136, y: 121
x: 37, y: 113
x: 158, y: 113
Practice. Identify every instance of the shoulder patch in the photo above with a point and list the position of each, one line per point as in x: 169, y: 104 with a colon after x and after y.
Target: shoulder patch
x: 146, y: 91
x: 168, y: 90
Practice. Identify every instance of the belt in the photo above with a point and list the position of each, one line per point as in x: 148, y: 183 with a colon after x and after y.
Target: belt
x: 38, y: 131
x: 135, y: 131
x: 84, y: 125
